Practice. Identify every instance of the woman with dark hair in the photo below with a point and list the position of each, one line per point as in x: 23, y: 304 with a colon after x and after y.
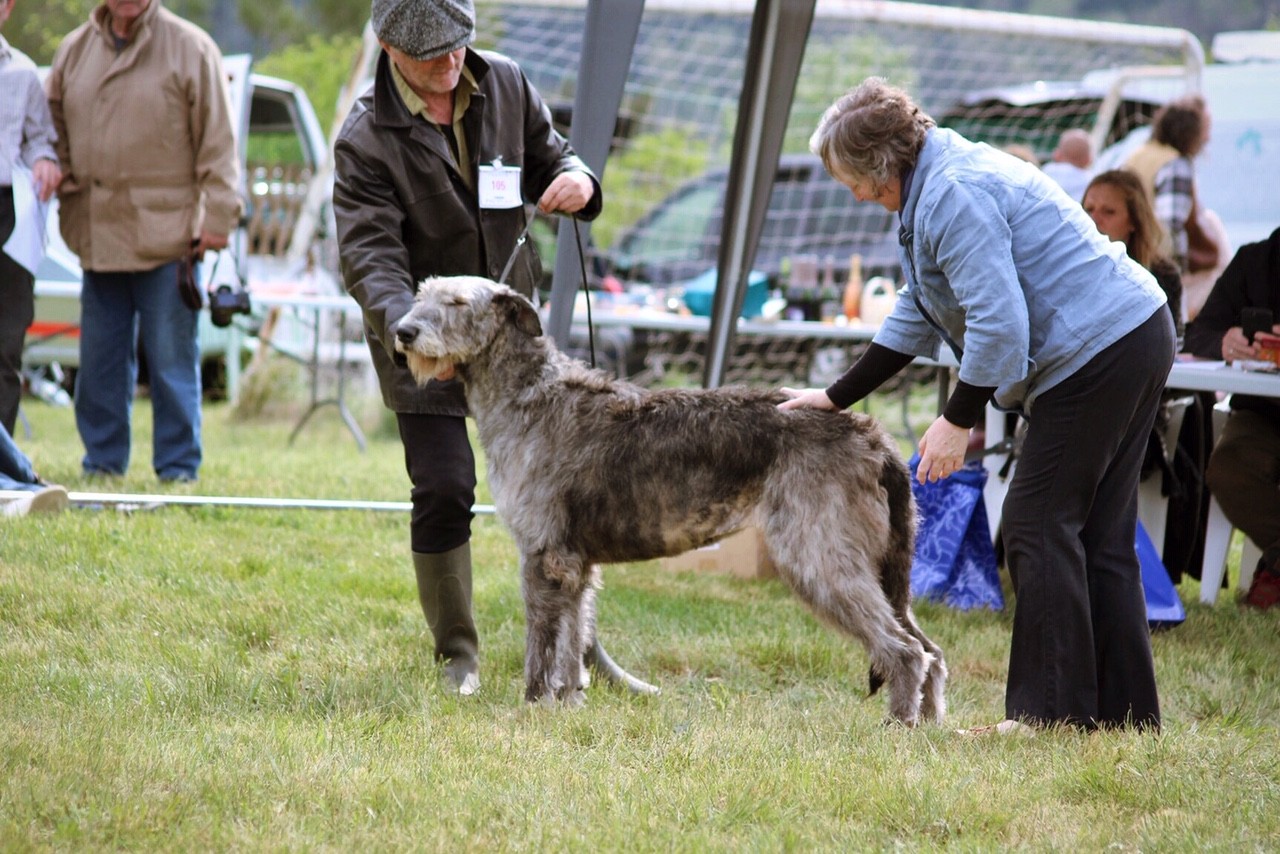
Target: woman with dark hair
x: 1047, y: 318
x: 1163, y: 164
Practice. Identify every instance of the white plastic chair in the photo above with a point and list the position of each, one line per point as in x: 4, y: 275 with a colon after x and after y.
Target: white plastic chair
x: 1217, y: 537
x: 1217, y: 546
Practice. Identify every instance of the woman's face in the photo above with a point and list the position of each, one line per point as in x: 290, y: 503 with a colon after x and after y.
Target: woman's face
x: 1105, y: 204
x: 864, y: 190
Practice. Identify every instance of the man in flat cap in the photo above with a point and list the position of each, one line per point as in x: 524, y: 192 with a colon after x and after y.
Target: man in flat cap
x: 425, y: 164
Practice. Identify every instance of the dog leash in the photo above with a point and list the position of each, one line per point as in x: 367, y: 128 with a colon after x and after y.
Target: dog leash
x: 524, y: 235
x: 586, y: 293
x: 582, y: 262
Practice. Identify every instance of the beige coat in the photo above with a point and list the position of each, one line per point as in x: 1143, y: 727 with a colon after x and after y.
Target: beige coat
x: 145, y: 141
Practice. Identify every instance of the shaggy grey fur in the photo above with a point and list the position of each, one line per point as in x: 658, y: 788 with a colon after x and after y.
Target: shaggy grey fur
x: 585, y: 469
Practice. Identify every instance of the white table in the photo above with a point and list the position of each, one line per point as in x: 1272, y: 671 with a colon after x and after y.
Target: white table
x: 1199, y: 375
x: 1186, y: 375
x: 343, y: 308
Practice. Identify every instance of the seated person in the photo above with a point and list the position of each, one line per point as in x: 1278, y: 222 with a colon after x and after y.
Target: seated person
x: 1071, y: 162
x: 1244, y: 469
x: 1118, y: 205
x: 17, y: 474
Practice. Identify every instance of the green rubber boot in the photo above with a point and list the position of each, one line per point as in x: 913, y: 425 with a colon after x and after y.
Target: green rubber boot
x: 444, y: 590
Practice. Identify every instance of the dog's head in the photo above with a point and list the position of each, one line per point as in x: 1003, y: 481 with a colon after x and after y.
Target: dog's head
x: 455, y: 318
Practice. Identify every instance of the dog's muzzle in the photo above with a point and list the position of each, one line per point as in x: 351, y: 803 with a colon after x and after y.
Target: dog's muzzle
x: 405, y: 336
x: 423, y: 368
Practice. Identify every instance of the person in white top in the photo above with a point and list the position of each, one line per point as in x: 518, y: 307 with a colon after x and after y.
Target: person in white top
x: 1072, y: 162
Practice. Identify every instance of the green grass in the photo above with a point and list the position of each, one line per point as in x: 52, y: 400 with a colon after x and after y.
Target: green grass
x: 206, y: 678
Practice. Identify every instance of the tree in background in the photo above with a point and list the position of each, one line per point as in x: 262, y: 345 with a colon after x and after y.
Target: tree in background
x: 319, y: 63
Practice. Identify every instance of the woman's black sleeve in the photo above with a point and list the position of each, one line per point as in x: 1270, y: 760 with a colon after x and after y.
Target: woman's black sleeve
x: 877, y: 364
x: 967, y: 403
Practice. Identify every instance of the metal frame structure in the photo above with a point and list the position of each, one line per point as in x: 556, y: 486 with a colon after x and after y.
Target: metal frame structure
x: 779, y: 31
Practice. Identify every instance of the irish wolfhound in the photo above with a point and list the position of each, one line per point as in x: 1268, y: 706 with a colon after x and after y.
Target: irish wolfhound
x: 585, y: 469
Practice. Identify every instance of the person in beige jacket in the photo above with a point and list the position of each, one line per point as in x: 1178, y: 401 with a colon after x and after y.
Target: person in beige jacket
x: 140, y: 102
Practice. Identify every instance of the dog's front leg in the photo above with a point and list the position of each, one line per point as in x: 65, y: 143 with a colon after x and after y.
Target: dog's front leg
x: 554, y: 629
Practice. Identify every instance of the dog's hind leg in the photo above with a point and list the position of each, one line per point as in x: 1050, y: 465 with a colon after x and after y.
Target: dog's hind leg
x: 555, y: 636
x: 934, y: 705
x: 835, y: 581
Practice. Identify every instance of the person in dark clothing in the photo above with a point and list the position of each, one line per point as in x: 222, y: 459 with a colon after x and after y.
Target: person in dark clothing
x: 1244, y: 469
x: 436, y: 167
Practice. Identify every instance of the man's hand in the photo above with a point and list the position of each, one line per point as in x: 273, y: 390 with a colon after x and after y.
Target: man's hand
x: 806, y: 398
x: 942, y: 450
x: 47, y: 176
x: 568, y: 193
x: 210, y: 240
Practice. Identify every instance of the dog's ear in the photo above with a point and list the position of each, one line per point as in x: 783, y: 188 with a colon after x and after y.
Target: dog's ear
x: 519, y: 311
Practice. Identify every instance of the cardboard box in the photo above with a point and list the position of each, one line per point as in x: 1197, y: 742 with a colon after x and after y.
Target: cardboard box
x: 742, y: 554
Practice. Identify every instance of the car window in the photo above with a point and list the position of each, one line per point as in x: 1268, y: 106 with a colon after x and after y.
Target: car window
x: 1039, y: 124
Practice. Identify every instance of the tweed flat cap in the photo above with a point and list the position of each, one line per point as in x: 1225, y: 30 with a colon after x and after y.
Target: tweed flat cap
x: 424, y: 29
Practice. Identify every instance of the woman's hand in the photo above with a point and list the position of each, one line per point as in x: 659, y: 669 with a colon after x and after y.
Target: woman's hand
x: 1236, y: 347
x: 806, y: 398
x: 942, y: 450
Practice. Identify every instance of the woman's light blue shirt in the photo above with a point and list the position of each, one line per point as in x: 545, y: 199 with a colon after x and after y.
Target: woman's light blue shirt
x: 1009, y: 271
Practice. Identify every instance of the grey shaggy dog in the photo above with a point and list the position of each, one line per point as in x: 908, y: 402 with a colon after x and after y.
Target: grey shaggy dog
x: 586, y: 469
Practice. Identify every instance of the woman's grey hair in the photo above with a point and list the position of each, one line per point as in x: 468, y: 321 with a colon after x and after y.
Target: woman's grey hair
x: 873, y: 131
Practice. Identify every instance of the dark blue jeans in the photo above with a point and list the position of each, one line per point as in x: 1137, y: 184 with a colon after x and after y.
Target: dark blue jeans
x: 15, y: 467
x: 1081, y: 648
x: 118, y: 311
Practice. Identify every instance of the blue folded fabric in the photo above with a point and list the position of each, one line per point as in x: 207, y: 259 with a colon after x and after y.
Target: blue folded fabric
x: 955, y: 561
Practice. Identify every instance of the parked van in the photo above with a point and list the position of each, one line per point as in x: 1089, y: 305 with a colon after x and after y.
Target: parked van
x: 269, y: 113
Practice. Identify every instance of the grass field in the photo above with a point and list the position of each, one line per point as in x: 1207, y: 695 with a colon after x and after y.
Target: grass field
x: 188, y: 679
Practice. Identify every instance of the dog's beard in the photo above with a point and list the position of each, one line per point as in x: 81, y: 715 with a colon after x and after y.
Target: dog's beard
x: 427, y: 368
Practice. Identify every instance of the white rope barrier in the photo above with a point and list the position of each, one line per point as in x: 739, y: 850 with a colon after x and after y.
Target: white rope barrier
x: 145, y: 500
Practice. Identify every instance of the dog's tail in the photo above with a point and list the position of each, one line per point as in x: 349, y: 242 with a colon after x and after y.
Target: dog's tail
x: 895, y: 566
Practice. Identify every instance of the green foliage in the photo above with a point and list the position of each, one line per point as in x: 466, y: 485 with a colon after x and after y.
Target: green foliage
x: 643, y: 173
x: 274, y: 22
x: 833, y: 68
x: 37, y: 27
x: 320, y: 64
x: 202, y: 678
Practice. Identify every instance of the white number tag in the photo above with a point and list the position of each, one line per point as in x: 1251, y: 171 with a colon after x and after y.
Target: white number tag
x: 499, y: 186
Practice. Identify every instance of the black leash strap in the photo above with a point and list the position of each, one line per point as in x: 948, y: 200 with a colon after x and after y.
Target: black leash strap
x: 524, y: 235
x: 582, y: 262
